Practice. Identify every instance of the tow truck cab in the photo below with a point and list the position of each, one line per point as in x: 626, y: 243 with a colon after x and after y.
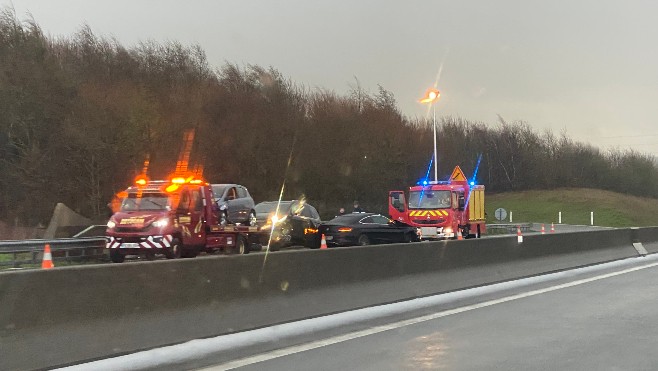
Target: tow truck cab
x: 177, y: 218
x: 441, y: 209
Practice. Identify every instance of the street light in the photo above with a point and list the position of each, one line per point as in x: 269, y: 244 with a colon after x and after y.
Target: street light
x: 431, y: 96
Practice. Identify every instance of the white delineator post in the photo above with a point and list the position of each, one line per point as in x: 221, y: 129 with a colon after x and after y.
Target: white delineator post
x: 591, y: 218
x: 510, y: 217
x: 559, y: 217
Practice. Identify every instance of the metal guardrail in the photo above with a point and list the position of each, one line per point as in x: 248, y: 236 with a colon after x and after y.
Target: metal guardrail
x: 67, y: 249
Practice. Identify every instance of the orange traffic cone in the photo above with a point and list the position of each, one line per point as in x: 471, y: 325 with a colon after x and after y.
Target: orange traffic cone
x: 323, y: 242
x: 47, y: 262
x: 519, y: 236
x: 543, y: 231
x: 552, y: 227
x: 459, y: 234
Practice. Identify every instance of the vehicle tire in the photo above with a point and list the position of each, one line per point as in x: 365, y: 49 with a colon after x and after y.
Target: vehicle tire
x: 410, y: 237
x: 275, y: 247
x: 252, y: 221
x: 241, y: 246
x: 116, y: 256
x: 364, y: 240
x: 150, y: 256
x: 190, y: 252
x: 175, y: 250
x: 223, y: 218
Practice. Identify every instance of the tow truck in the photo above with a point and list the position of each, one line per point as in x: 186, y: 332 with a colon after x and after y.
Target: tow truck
x: 441, y: 209
x: 177, y: 218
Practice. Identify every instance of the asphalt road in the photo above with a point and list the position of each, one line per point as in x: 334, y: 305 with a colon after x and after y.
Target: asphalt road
x: 610, y: 323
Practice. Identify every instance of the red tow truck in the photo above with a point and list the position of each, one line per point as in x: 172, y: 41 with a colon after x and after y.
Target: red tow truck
x: 177, y: 217
x: 441, y: 209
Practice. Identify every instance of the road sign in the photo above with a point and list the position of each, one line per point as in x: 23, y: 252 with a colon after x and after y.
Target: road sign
x: 500, y: 213
x: 458, y: 175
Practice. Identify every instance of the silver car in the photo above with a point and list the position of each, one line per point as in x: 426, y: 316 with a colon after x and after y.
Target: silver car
x: 235, y: 204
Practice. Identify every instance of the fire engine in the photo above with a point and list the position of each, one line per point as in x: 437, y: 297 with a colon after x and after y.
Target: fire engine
x: 177, y: 217
x: 441, y: 209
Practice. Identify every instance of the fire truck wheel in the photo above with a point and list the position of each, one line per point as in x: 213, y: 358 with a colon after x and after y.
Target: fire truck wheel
x: 117, y: 256
x: 174, y: 251
x: 364, y: 240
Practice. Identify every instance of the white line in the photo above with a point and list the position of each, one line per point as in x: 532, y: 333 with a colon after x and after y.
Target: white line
x: 374, y: 330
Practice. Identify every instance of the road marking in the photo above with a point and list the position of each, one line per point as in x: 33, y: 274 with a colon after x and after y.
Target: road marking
x: 377, y: 329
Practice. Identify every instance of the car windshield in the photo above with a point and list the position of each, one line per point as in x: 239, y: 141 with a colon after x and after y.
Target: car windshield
x: 146, y: 201
x: 218, y: 190
x: 428, y: 199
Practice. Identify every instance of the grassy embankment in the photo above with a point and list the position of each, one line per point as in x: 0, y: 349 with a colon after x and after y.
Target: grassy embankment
x: 610, y: 209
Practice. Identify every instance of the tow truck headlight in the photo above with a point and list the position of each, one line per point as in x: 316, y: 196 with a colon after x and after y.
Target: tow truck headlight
x: 111, y: 224
x: 161, y: 223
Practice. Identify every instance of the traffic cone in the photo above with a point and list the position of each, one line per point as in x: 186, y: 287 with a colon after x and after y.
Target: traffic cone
x: 519, y: 236
x: 543, y: 231
x: 459, y: 234
x: 552, y: 227
x: 47, y: 262
x: 323, y: 242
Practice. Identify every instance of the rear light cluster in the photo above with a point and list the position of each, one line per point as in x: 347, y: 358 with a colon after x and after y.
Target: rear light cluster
x: 344, y: 229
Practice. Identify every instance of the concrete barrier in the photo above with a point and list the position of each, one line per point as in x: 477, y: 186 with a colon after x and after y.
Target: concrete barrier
x: 66, y: 315
x: 648, y: 236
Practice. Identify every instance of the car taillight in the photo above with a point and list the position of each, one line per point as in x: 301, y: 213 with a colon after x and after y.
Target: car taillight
x: 344, y: 229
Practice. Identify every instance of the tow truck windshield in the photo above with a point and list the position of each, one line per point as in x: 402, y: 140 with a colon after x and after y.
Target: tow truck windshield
x: 429, y: 199
x: 146, y: 201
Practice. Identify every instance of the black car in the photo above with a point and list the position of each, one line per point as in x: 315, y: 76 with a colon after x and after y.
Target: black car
x: 235, y: 204
x: 295, y: 223
x: 366, y: 229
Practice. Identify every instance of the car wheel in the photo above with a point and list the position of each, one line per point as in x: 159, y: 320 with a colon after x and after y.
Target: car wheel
x: 252, y: 219
x: 116, y: 256
x: 275, y: 246
x: 174, y: 251
x: 223, y: 218
x: 364, y: 240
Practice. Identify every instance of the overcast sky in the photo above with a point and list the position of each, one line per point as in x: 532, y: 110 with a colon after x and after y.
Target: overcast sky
x: 587, y: 67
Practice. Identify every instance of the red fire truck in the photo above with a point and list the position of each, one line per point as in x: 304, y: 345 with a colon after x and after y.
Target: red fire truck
x: 441, y: 209
x: 177, y: 218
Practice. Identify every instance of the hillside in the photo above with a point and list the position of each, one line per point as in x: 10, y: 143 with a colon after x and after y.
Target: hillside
x: 610, y: 209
